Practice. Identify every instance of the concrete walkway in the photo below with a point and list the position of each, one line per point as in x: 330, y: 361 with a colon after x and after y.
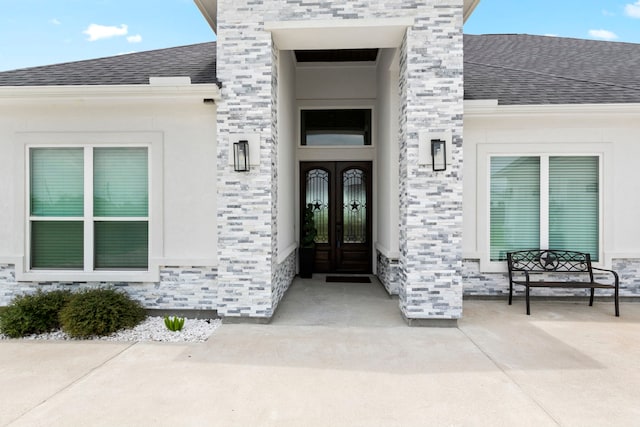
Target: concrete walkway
x: 341, y: 355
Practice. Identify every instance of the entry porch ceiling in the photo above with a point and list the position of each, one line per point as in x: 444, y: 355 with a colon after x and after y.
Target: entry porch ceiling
x: 209, y: 9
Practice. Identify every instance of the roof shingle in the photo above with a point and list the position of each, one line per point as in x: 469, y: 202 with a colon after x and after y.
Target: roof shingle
x: 515, y: 69
x: 197, y: 61
x: 519, y: 69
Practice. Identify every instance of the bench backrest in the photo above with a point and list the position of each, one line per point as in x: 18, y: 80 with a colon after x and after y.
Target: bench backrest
x: 550, y: 261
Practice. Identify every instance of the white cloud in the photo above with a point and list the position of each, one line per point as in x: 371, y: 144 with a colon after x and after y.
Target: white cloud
x: 551, y: 35
x: 55, y: 21
x: 97, y: 32
x: 632, y: 9
x: 134, y: 39
x: 603, y: 34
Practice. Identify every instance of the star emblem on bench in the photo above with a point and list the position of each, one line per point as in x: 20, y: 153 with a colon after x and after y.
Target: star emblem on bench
x: 548, y: 261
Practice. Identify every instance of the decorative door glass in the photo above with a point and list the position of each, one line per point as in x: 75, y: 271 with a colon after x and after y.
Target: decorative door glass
x: 354, y: 208
x: 318, y: 196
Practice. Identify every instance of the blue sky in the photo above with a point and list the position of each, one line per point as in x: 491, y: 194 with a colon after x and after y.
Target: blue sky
x: 41, y: 32
x: 610, y: 20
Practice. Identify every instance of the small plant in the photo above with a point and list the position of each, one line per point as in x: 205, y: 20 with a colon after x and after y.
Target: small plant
x: 33, y: 314
x: 309, y: 231
x: 100, y: 312
x: 174, y: 323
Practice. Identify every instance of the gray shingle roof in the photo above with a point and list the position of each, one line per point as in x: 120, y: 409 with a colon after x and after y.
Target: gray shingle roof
x: 524, y: 69
x: 515, y: 69
x: 197, y: 61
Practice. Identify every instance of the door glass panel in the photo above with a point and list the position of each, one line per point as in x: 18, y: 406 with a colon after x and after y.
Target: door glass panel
x: 318, y: 196
x: 354, y: 208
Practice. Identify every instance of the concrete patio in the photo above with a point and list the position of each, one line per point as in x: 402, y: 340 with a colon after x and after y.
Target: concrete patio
x: 341, y: 355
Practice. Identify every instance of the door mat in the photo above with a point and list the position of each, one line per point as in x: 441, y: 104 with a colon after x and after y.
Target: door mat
x: 348, y: 279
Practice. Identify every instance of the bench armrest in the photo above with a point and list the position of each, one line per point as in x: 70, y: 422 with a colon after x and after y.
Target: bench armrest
x: 520, y: 271
x: 615, y: 275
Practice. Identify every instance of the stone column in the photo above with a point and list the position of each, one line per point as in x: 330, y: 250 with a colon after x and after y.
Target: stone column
x: 245, y: 200
x: 431, y: 86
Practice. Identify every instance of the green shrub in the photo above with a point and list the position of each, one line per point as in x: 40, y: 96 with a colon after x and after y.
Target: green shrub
x: 100, y: 312
x: 33, y: 314
x: 174, y: 324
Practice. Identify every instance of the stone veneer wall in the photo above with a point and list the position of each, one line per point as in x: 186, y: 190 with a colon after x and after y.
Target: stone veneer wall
x: 246, y: 227
x: 179, y: 288
x: 431, y: 204
x: 388, y: 272
x: 431, y: 91
x: 497, y: 284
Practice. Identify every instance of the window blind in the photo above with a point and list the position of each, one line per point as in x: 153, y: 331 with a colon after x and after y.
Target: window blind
x: 121, y: 244
x: 57, y: 245
x: 120, y: 187
x: 57, y: 182
x: 574, y: 203
x: 515, y: 205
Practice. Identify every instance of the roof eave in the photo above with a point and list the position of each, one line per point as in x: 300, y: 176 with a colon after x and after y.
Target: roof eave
x: 110, y: 92
x: 209, y: 9
x: 490, y: 107
x: 469, y: 7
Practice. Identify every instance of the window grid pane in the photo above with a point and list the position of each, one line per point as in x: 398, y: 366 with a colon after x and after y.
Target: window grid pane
x: 121, y: 244
x: 57, y: 245
x: 120, y: 187
x: 515, y: 205
x: 574, y: 204
x: 57, y: 182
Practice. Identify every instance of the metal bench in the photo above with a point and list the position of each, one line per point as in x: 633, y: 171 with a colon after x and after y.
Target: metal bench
x: 552, y: 267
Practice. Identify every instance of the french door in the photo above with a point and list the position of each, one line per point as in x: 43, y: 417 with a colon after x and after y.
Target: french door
x: 340, y: 194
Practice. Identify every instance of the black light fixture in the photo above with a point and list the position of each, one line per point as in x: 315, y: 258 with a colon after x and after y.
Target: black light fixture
x: 241, y: 156
x: 438, y: 155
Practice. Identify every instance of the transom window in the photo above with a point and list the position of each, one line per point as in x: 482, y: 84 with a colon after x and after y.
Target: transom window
x: 89, y: 208
x: 345, y: 127
x: 544, y: 202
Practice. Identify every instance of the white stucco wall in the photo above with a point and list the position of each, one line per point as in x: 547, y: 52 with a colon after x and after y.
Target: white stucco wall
x: 287, y: 141
x: 317, y: 81
x: 610, y: 131
x: 183, y: 166
x: 388, y: 105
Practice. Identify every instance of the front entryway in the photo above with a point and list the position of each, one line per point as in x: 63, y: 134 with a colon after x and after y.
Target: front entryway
x: 340, y: 193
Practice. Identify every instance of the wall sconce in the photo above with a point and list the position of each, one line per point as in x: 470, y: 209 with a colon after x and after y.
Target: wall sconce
x: 438, y: 155
x: 241, y: 156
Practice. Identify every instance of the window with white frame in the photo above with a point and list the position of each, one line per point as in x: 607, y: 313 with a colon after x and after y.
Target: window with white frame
x: 88, y: 208
x: 544, y: 201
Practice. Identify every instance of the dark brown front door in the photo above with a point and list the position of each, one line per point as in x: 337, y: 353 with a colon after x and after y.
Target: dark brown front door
x: 340, y: 193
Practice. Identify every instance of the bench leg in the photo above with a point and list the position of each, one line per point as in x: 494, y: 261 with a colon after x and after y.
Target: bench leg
x: 591, y: 298
x: 527, y: 298
x: 510, y: 292
x: 615, y: 295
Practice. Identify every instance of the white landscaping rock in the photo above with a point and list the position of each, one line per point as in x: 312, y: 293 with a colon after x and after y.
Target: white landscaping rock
x: 151, y: 329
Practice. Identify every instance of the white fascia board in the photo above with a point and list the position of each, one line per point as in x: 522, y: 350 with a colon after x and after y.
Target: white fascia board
x: 339, y: 34
x: 491, y: 108
x: 209, y: 9
x: 469, y: 7
x: 11, y: 94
